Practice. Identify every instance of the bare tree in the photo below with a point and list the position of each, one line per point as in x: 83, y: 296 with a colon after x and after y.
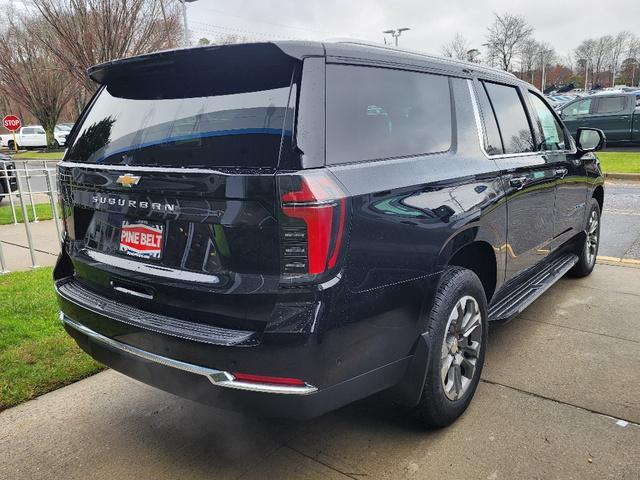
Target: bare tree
x: 633, y: 57
x: 601, y: 56
x: 584, y: 55
x: 618, y: 46
x: 506, y: 35
x: 456, y: 48
x: 528, y: 56
x: 30, y: 76
x: 87, y: 32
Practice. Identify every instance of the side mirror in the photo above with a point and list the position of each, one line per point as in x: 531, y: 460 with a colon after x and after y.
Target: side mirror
x: 590, y: 140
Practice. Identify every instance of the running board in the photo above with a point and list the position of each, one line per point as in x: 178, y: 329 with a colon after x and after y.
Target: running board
x: 525, y: 293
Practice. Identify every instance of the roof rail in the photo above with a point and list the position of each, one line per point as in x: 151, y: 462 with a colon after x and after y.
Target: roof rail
x: 462, y: 63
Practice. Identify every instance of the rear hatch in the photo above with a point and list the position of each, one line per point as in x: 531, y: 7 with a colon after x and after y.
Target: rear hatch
x: 169, y: 183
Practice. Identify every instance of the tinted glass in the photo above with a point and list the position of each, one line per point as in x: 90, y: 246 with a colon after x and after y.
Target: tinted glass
x: 611, y: 104
x: 40, y: 131
x: 512, y: 119
x: 549, y: 128
x: 168, y: 123
x: 377, y: 113
x: 28, y: 131
x: 493, y: 143
x: 578, y: 108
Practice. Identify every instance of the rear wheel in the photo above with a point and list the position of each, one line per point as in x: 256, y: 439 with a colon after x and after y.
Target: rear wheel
x: 457, y: 326
x: 589, y: 249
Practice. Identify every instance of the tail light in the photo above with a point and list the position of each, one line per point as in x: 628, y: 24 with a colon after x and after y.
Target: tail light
x: 314, y: 211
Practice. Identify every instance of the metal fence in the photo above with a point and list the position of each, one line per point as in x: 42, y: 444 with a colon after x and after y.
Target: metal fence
x: 35, y: 183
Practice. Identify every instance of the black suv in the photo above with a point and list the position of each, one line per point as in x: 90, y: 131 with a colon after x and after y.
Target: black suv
x: 287, y: 227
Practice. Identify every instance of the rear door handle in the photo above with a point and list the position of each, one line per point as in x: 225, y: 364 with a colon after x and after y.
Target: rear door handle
x: 517, y: 182
x: 561, y: 172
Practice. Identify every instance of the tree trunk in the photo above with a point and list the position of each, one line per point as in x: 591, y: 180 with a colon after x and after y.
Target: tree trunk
x: 48, y: 122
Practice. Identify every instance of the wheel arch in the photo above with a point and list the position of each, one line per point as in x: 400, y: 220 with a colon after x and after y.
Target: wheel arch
x: 479, y: 257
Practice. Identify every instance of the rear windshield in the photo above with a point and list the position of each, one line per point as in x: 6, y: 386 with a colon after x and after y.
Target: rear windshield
x: 203, y: 118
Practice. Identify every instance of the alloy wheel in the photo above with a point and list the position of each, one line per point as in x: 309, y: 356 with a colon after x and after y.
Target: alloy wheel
x: 461, y: 348
x: 593, y: 234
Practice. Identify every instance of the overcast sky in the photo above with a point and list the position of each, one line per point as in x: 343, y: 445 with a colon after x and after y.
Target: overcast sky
x: 563, y: 23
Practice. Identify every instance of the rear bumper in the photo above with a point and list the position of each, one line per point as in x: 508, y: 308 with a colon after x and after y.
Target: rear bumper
x: 220, y: 388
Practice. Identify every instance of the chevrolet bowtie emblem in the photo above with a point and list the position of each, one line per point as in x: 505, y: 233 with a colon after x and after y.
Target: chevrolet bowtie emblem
x: 128, y: 180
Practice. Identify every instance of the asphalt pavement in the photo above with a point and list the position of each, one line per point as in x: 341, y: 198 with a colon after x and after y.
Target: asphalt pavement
x: 620, y: 230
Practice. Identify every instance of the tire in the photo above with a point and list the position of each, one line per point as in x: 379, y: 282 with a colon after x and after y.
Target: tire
x: 589, y: 249
x: 441, y: 404
x: 10, y: 144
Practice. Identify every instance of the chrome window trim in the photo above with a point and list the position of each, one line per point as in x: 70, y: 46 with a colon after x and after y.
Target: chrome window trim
x: 219, y: 378
x: 148, y: 269
x: 481, y: 132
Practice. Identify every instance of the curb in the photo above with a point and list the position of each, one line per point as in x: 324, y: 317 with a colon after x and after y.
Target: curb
x: 634, y: 177
x: 619, y: 261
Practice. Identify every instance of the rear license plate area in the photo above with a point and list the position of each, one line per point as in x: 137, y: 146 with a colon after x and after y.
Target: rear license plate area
x: 142, y: 239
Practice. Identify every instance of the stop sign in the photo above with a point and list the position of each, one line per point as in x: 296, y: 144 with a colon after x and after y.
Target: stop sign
x: 11, y: 123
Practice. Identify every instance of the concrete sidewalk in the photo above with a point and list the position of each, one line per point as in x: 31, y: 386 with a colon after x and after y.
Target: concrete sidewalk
x: 559, y: 399
x: 16, y: 248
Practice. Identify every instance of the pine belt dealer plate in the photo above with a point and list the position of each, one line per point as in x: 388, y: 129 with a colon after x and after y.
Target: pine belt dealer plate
x: 141, y: 239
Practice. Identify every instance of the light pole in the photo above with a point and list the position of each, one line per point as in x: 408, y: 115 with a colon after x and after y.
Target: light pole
x: 184, y: 20
x: 586, y: 73
x: 396, y: 33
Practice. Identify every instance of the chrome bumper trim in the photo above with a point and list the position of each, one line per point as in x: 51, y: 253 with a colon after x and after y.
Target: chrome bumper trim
x: 148, y: 269
x: 219, y: 378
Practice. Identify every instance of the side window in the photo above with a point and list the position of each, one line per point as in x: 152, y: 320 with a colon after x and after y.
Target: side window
x: 578, y: 108
x: 493, y: 143
x: 512, y: 118
x: 548, y: 126
x: 611, y: 104
x: 27, y: 131
x: 40, y: 131
x: 375, y: 113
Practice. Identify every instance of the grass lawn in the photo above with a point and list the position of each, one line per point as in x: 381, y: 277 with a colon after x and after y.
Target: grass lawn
x: 36, y: 155
x: 620, y: 162
x: 43, y: 210
x: 36, y: 355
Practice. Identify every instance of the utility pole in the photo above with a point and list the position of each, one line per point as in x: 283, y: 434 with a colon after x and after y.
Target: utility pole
x: 396, y: 33
x: 542, y: 60
x: 184, y: 21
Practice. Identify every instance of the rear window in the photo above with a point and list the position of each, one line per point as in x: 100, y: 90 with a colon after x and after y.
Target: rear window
x: 375, y: 113
x: 232, y: 116
x: 611, y: 105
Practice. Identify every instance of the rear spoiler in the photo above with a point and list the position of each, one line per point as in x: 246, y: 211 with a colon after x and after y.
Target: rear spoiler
x: 208, y: 55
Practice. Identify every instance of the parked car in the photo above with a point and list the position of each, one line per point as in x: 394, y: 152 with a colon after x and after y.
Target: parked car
x: 616, y: 114
x: 299, y: 225
x: 34, y: 136
x: 60, y: 133
x: 8, y: 181
x: 557, y: 101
